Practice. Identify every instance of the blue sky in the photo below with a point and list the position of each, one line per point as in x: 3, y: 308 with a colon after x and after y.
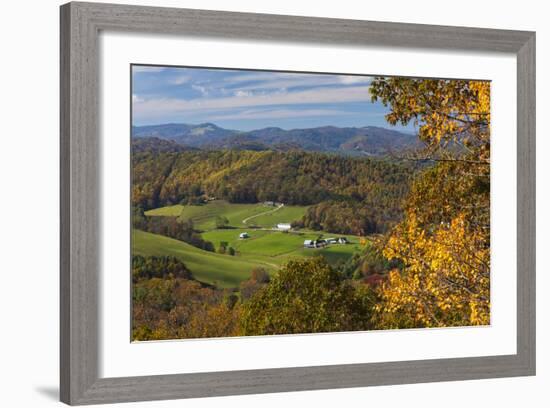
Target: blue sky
x: 246, y: 100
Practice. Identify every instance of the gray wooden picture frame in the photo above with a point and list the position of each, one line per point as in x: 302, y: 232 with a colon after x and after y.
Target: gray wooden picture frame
x: 81, y: 24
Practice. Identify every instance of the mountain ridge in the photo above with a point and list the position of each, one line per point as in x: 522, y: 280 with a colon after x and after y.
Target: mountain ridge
x: 365, y: 140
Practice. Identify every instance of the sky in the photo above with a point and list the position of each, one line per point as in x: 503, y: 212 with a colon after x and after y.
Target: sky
x: 247, y: 100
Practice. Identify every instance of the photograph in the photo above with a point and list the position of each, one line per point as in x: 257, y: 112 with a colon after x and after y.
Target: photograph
x: 275, y: 204
x: 278, y: 203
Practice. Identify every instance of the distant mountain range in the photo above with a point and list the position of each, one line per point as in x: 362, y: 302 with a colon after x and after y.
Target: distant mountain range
x: 368, y: 140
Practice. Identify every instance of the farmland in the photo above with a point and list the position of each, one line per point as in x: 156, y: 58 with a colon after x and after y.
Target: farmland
x: 265, y: 247
x: 204, y: 216
x: 206, y: 266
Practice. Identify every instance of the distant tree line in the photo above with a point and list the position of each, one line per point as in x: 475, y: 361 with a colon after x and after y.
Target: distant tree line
x: 158, y: 267
x: 348, y: 217
x: 172, y: 227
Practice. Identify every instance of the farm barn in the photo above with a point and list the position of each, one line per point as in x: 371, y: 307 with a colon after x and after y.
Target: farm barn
x: 315, y: 243
x: 321, y: 243
x: 284, y: 227
x: 309, y: 243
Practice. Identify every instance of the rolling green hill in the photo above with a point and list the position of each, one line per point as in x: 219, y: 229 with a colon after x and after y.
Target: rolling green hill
x: 265, y: 248
x: 285, y: 214
x: 204, y: 216
x: 277, y: 247
x: 209, y: 267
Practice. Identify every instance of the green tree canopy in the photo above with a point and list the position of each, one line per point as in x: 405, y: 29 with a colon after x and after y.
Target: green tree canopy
x: 307, y: 296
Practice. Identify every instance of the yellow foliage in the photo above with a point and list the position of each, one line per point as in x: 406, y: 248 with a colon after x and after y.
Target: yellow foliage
x: 445, y: 279
x: 445, y: 111
x: 443, y: 243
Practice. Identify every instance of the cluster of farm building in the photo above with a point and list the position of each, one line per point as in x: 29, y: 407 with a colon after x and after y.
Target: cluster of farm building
x: 308, y: 243
x: 321, y: 243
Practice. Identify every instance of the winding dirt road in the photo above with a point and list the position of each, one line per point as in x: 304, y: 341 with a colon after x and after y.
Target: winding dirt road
x: 263, y: 213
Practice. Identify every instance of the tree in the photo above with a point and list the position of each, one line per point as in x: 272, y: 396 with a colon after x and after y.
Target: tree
x: 222, y: 249
x: 221, y: 222
x: 248, y: 288
x: 446, y: 279
x: 307, y: 296
x: 172, y: 308
x: 178, y: 228
x: 139, y: 220
x: 158, y: 267
x: 212, y: 321
x: 443, y: 242
x: 448, y: 112
x: 260, y: 275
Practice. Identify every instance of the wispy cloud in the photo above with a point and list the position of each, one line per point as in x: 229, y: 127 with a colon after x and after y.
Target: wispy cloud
x: 146, y: 69
x: 240, y: 93
x: 353, y: 79
x: 154, y: 107
x: 247, y: 99
x: 290, y: 81
x: 203, y: 90
x: 180, y: 80
x: 259, y: 76
x: 279, y: 114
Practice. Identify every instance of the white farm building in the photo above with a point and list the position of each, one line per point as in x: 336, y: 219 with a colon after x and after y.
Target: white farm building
x: 309, y: 243
x: 284, y: 227
x: 321, y: 243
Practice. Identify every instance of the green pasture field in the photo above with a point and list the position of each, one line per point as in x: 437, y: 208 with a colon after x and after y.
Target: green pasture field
x: 204, y: 216
x: 209, y: 267
x: 266, y: 249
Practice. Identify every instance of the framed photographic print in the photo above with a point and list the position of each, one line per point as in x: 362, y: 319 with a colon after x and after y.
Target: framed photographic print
x: 260, y: 203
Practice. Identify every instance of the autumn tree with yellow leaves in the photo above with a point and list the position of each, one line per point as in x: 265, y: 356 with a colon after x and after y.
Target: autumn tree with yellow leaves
x: 443, y: 241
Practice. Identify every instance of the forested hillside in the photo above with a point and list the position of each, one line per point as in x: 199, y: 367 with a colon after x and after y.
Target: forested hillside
x: 369, y: 190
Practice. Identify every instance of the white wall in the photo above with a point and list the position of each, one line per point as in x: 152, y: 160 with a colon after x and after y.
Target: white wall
x: 29, y: 203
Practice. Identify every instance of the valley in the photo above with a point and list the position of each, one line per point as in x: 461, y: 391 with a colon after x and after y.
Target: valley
x: 265, y: 246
